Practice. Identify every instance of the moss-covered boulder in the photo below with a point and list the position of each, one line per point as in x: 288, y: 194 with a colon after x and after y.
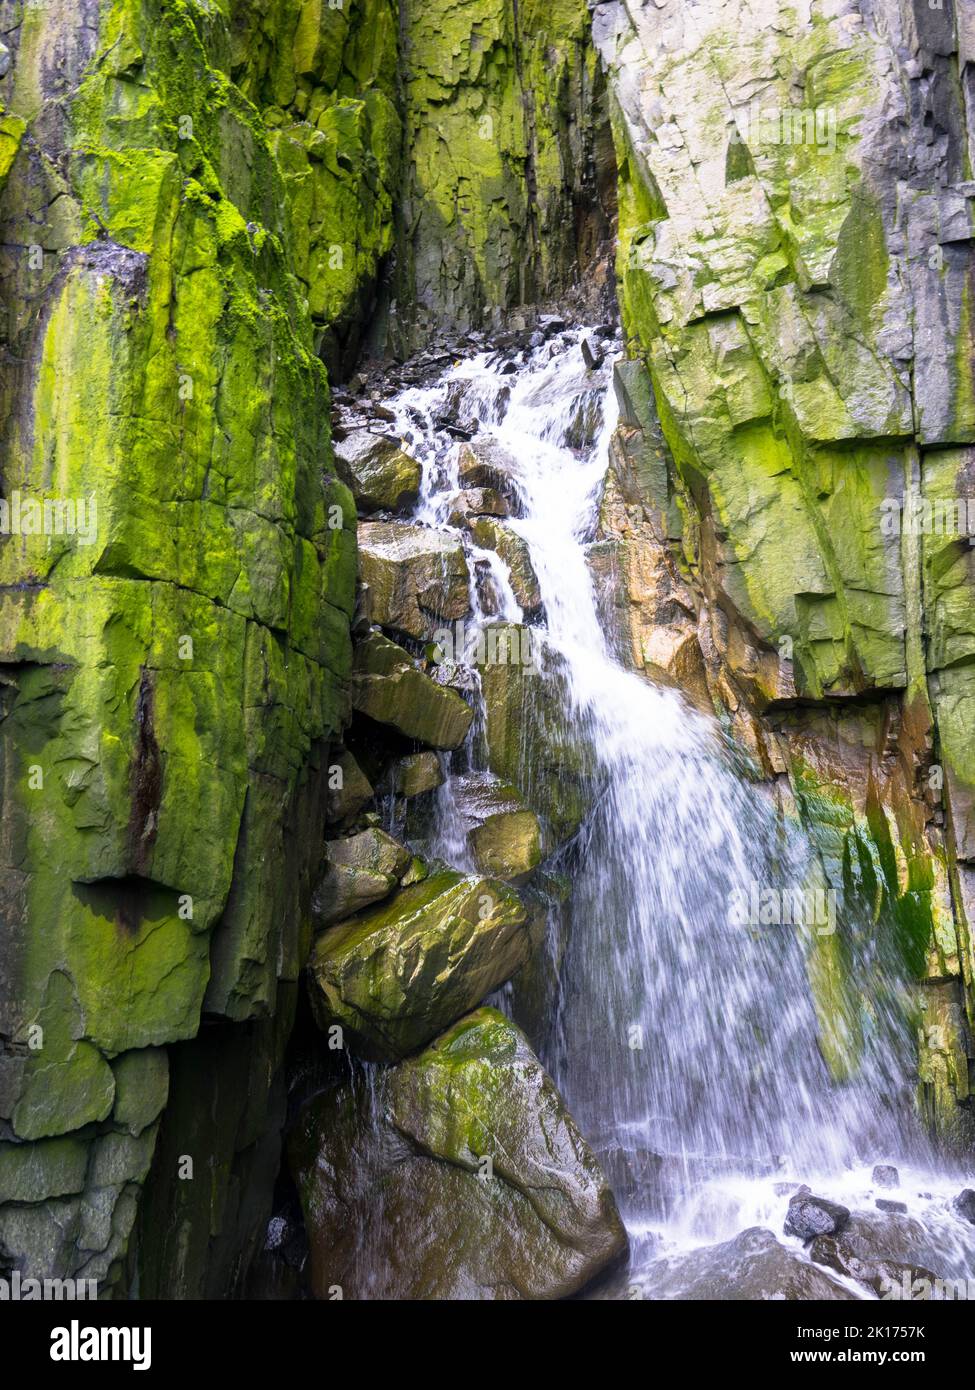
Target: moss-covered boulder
x: 528, y: 741
x: 469, y: 1180
x: 381, y: 476
x: 389, y: 687
x: 359, y: 870
x: 394, y: 976
x: 415, y: 774
x: 491, y: 534
x: 504, y: 835
x: 413, y: 577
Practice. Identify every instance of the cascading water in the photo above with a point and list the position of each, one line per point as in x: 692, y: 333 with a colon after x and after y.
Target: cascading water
x: 687, y: 1045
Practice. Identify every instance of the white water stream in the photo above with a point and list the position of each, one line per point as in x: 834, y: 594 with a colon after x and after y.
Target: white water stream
x: 687, y: 1045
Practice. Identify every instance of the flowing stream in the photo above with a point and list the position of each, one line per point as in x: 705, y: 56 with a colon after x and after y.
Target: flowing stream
x: 687, y: 1045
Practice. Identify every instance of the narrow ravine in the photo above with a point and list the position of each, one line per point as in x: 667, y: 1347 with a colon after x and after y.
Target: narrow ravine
x: 686, y: 1042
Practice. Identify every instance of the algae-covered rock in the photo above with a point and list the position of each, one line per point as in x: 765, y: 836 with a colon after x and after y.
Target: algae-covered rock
x: 528, y: 740
x: 492, y: 534
x: 394, y: 976
x: 176, y: 650
x: 503, y: 833
x: 469, y: 1180
x: 412, y: 577
x: 417, y: 773
x: 382, y: 477
x: 390, y: 689
x: 359, y: 870
x: 511, y: 87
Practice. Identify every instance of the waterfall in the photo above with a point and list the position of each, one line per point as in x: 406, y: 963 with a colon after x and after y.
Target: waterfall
x: 687, y: 1040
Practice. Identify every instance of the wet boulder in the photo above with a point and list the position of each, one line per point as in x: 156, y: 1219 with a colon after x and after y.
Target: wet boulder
x: 398, y: 974
x: 485, y: 463
x: 504, y: 835
x: 885, y: 1175
x: 389, y: 687
x: 876, y: 1246
x: 810, y: 1216
x: 753, y: 1266
x: 491, y: 534
x: 466, y: 1178
x: 884, y: 1276
x: 359, y: 870
x: 416, y: 773
x: 529, y: 741
x: 349, y: 789
x: 477, y: 501
x: 413, y: 577
x: 964, y: 1204
x: 380, y: 476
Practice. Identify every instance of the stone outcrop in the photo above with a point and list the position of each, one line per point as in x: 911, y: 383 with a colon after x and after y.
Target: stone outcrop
x: 389, y: 688
x: 471, y: 1144
x: 509, y: 190
x: 194, y: 206
x: 795, y: 255
x: 393, y: 977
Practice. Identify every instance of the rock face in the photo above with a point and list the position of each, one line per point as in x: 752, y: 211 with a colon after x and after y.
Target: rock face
x: 175, y: 660
x: 413, y: 577
x: 394, y: 976
x: 388, y: 688
x: 509, y: 191
x: 381, y: 476
x: 780, y: 533
x: 471, y: 1144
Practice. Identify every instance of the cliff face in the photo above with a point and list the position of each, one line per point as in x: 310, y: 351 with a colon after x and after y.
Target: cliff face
x: 197, y: 216
x: 172, y: 677
x: 208, y: 208
x: 509, y: 195
x: 796, y: 263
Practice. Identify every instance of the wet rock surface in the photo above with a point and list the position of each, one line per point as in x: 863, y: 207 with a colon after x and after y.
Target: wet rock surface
x: 811, y: 1216
x: 394, y: 976
x: 470, y: 1145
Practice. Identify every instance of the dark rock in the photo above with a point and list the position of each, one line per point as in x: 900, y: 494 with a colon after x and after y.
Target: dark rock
x: 885, y: 1175
x: 592, y: 357
x: 885, y: 1204
x: 753, y: 1266
x: 879, y: 1275
x: 810, y: 1216
x: 964, y: 1204
x: 401, y: 1203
